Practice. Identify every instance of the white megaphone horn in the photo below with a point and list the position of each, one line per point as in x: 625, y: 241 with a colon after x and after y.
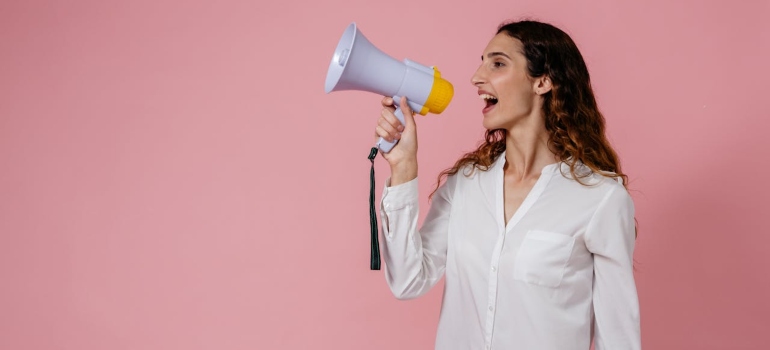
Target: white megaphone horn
x: 359, y: 65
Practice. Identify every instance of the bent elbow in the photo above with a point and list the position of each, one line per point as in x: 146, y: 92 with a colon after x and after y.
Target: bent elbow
x: 407, y: 291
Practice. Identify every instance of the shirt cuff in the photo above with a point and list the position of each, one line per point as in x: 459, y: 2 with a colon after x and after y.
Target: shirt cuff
x: 399, y: 196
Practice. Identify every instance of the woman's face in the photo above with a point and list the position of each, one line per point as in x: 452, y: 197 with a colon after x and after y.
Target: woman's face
x: 509, y: 93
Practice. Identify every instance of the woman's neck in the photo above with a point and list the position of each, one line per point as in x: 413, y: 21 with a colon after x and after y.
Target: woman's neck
x: 527, y: 152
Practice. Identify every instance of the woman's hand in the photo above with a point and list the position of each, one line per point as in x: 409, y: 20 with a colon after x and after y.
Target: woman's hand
x: 403, y: 157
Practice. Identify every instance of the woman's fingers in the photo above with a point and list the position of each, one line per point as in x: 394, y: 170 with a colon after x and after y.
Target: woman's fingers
x: 390, y: 128
x: 387, y: 130
x: 407, y: 111
x: 387, y: 102
x: 388, y: 116
x: 386, y: 135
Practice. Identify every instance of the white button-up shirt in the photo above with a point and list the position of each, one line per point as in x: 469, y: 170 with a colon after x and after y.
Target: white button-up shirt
x: 559, y: 273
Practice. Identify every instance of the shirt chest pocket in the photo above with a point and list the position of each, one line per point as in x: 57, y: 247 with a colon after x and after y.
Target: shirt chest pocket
x: 542, y: 258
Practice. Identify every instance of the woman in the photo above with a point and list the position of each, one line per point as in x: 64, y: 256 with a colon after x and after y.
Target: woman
x: 534, y: 230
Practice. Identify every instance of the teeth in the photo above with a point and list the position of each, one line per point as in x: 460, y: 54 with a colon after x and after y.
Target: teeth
x: 487, y: 97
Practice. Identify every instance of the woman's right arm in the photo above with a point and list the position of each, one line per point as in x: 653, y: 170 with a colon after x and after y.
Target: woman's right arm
x: 415, y: 259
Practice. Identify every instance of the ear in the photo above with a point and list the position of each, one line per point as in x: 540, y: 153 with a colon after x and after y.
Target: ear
x: 542, y: 85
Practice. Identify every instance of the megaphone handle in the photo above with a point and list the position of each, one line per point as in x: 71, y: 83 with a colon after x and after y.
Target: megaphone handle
x: 384, y: 145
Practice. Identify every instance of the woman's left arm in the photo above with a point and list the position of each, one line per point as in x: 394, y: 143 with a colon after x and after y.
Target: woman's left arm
x: 610, y: 237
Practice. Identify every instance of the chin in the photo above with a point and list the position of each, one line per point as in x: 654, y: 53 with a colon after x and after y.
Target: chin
x: 490, y: 123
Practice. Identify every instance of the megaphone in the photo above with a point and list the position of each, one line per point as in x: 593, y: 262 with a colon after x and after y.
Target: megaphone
x: 359, y: 65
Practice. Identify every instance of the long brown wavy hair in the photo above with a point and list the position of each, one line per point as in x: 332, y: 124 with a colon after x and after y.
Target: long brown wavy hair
x: 572, y: 119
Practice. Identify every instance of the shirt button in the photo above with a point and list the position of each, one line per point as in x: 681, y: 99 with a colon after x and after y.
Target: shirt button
x: 494, y: 269
x: 491, y: 308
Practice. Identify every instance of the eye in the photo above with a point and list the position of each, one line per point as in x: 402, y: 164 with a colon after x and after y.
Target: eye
x: 498, y: 64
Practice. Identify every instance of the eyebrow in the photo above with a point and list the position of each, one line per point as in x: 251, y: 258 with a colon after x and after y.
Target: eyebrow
x: 496, y: 53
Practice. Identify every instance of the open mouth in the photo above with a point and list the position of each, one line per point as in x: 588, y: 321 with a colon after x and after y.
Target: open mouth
x: 490, y: 101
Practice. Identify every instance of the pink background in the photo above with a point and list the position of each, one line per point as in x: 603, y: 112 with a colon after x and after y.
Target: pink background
x: 173, y: 176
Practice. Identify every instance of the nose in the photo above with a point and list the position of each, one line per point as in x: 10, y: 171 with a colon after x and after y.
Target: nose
x: 478, y: 77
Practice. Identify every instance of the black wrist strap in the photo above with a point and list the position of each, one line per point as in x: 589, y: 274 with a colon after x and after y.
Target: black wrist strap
x: 374, y: 263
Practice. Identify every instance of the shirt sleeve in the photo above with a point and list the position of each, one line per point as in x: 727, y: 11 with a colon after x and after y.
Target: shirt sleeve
x: 415, y: 260
x: 611, y: 237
